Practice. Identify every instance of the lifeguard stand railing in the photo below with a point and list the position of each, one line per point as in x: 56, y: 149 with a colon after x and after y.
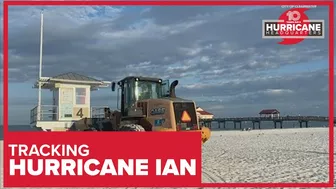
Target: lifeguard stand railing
x: 50, y: 113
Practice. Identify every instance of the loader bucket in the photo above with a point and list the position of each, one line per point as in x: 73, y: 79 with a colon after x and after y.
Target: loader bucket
x: 206, y: 133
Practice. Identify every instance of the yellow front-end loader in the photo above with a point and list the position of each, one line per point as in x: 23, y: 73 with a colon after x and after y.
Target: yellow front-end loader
x: 150, y: 104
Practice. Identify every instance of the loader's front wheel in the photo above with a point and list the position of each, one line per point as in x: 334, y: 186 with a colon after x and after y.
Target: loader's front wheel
x: 132, y: 127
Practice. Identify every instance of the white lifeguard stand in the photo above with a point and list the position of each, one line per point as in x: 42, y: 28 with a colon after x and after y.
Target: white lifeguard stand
x: 71, y: 101
x: 71, y: 98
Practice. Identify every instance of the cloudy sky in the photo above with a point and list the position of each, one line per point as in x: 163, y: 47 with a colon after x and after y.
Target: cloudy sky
x: 216, y: 53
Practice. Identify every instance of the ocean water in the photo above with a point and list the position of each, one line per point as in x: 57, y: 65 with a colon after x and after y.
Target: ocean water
x: 214, y: 126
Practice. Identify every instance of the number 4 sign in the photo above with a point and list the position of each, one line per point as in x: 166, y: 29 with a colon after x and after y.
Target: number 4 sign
x: 80, y: 112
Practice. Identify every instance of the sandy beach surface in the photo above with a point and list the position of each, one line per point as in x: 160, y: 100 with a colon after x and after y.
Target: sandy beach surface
x: 286, y: 155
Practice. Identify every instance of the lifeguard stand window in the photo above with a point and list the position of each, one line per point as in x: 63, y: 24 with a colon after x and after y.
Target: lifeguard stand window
x: 80, y: 96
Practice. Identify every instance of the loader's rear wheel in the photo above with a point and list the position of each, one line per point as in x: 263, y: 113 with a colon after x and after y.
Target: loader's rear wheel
x: 132, y: 127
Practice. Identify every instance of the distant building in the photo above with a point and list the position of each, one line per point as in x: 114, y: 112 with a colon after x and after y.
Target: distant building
x: 269, y: 113
x: 202, y: 114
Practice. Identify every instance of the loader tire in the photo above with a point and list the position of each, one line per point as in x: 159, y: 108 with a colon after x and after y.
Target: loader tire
x: 132, y: 127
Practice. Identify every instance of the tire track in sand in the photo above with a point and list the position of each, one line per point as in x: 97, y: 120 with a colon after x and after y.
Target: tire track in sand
x: 211, y: 177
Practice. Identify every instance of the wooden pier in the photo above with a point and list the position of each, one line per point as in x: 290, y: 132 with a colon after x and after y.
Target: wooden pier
x: 303, y: 121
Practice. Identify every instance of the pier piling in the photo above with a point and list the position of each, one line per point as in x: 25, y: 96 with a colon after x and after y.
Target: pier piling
x: 254, y: 122
x: 219, y: 124
x: 275, y: 124
x: 235, y: 124
x: 302, y: 121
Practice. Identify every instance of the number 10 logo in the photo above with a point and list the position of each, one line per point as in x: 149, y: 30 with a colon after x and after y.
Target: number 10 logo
x: 293, y: 15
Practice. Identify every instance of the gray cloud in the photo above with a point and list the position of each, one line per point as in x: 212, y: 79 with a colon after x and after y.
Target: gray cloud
x: 202, y: 38
x: 302, y: 82
x: 220, y: 47
x: 286, y: 93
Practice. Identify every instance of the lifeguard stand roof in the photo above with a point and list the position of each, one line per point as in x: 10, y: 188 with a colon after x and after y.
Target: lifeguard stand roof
x: 71, y: 78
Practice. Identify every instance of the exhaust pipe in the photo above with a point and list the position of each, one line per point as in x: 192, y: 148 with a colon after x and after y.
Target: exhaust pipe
x: 172, y: 89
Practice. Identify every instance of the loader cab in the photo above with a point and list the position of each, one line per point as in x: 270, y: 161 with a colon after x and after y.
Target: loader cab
x: 131, y: 89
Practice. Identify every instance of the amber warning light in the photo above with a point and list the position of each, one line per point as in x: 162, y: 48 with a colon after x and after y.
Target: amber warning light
x: 185, y: 117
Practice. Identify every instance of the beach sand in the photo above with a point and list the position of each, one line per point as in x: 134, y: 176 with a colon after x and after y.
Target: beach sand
x: 279, y: 155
